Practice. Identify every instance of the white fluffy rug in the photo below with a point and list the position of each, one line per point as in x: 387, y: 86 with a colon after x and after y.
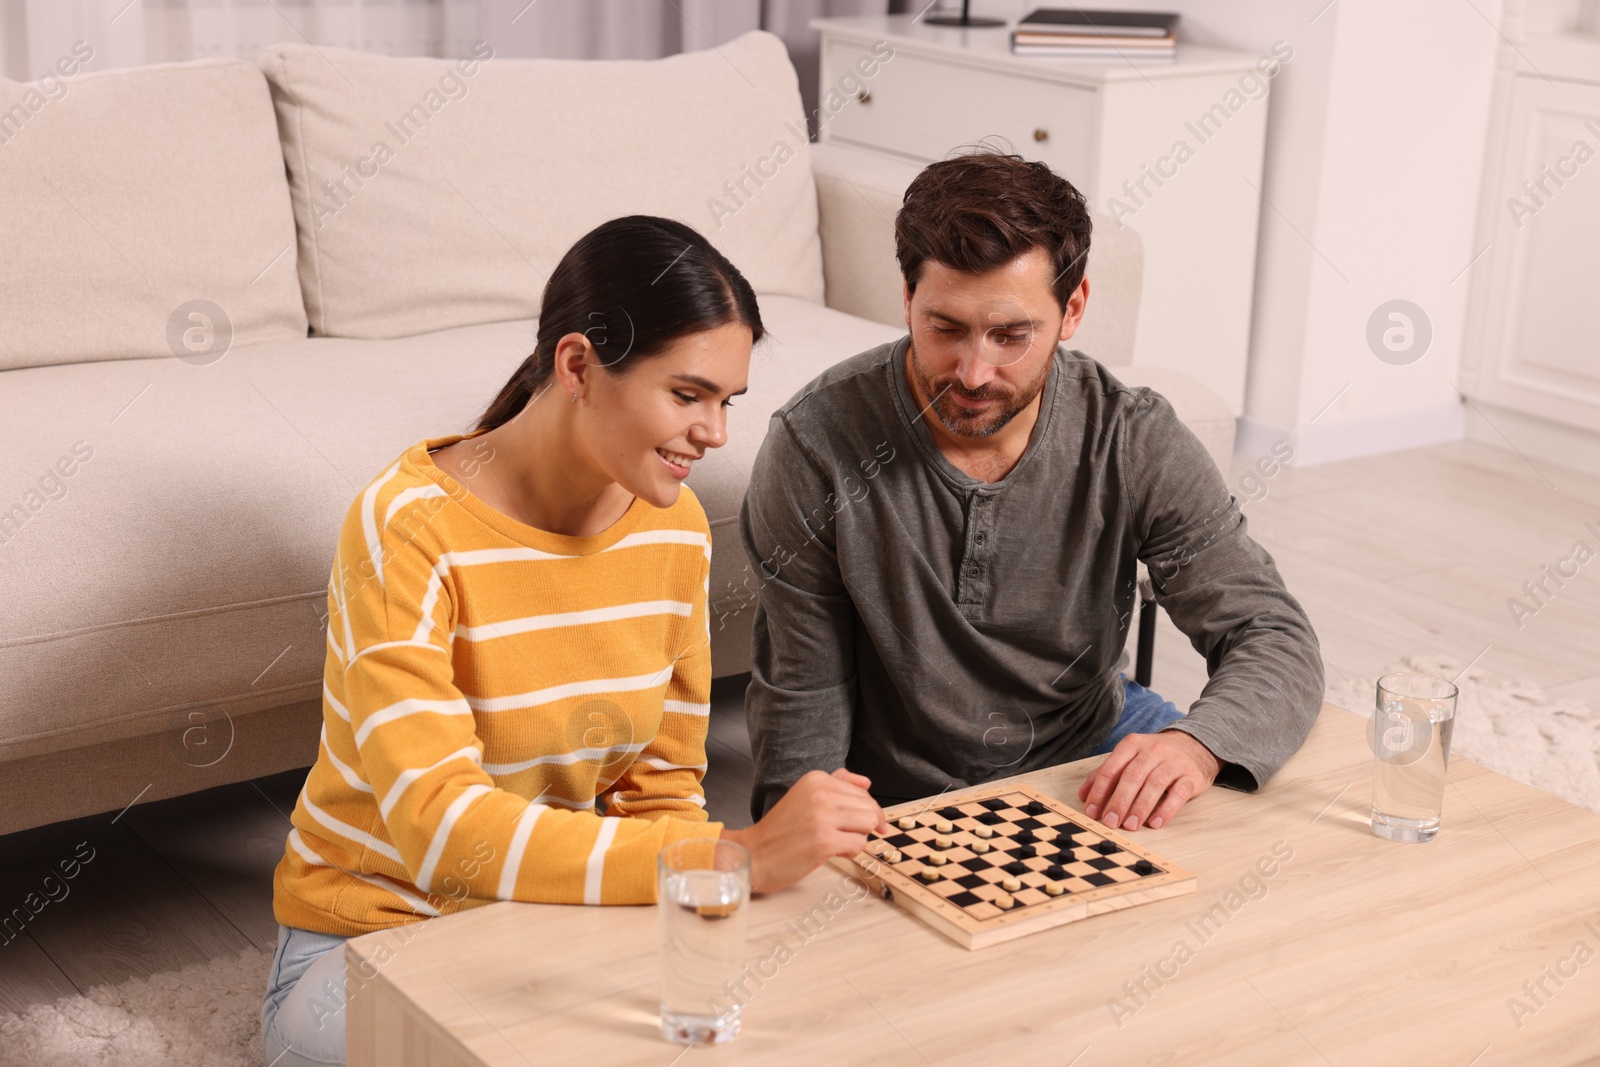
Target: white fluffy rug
x: 1513, y: 727
x: 205, y: 1015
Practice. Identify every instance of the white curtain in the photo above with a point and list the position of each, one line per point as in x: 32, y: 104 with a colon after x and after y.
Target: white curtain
x: 123, y: 33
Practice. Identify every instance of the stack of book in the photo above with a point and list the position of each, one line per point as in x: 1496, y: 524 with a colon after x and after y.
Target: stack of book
x: 1057, y: 31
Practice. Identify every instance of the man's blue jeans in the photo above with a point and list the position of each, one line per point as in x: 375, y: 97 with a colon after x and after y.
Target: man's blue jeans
x: 302, y: 1015
x: 1143, y: 712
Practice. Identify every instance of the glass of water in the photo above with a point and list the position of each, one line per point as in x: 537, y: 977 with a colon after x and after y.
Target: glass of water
x: 1410, y: 735
x: 703, y: 894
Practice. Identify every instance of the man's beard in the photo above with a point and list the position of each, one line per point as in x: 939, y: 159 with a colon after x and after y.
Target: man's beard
x: 964, y: 423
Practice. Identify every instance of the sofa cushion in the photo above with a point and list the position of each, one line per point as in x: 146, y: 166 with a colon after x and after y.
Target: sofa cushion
x: 177, y: 522
x: 433, y: 193
x: 131, y: 196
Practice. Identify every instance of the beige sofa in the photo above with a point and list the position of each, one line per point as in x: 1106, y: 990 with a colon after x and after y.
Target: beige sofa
x: 181, y: 452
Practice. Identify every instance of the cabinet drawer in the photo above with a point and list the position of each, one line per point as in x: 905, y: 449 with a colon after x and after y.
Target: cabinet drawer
x: 923, y: 108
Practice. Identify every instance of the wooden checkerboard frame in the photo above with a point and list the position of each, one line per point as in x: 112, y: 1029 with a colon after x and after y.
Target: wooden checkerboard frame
x: 978, y: 925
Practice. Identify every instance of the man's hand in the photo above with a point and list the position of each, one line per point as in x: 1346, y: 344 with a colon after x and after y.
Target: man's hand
x: 821, y: 815
x: 1147, y: 778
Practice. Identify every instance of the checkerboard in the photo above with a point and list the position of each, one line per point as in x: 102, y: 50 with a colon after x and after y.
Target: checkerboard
x: 1004, y: 861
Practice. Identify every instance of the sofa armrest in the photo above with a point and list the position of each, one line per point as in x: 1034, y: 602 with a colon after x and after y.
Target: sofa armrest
x: 858, y: 194
x: 1196, y: 406
x: 1116, y: 283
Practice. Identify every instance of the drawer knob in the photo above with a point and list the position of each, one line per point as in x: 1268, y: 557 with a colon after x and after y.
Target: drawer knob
x: 1041, y: 134
x: 863, y: 97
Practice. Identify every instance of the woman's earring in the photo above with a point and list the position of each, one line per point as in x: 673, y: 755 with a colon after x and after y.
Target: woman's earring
x: 574, y: 396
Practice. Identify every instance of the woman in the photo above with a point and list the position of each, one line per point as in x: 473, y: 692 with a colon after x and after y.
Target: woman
x: 517, y: 634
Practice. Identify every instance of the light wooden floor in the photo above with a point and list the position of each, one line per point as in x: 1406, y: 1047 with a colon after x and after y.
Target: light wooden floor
x: 1416, y: 552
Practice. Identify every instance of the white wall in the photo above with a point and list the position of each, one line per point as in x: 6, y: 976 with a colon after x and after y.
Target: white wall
x: 1375, y: 145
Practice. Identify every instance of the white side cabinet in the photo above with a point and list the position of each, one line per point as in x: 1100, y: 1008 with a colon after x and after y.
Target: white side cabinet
x: 1172, y: 148
x: 1531, y: 343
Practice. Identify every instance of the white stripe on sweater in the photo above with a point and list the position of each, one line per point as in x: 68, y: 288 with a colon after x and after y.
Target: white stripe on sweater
x: 685, y: 707
x: 630, y: 804
x: 441, y: 834
x: 550, y: 694
x: 413, y: 643
x: 566, y: 759
x: 404, y: 779
x: 401, y: 709
x: 369, y: 520
x: 407, y: 496
x: 597, y: 860
x: 345, y: 830
x: 576, y: 805
x: 430, y: 598
x: 483, y: 556
x: 344, y: 611
x: 414, y: 903
x: 528, y: 623
x: 662, y: 765
x: 333, y: 702
x: 352, y: 779
x: 519, y: 843
x: 474, y: 557
x: 665, y: 537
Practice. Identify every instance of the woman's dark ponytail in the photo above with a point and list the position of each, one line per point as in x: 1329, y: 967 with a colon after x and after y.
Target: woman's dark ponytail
x: 632, y: 286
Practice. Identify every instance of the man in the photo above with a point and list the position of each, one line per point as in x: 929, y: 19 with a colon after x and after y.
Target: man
x: 945, y: 531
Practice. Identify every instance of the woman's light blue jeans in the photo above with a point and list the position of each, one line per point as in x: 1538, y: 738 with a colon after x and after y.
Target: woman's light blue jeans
x: 1143, y: 712
x: 302, y: 1015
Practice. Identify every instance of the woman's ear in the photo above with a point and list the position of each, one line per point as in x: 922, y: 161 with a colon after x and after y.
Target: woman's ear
x: 574, y: 355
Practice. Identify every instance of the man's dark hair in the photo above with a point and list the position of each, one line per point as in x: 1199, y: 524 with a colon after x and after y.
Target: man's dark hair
x: 980, y: 210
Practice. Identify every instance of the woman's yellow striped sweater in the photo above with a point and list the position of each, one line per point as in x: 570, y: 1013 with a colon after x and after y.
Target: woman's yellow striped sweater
x: 488, y: 688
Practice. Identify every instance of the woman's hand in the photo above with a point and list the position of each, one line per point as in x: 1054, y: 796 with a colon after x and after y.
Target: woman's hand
x: 822, y: 815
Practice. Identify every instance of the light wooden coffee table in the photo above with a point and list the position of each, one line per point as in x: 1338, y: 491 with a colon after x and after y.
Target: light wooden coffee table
x: 1352, y: 950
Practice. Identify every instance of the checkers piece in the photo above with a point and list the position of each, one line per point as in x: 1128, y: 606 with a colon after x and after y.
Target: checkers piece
x: 928, y: 874
x: 942, y: 840
x: 995, y: 804
x: 907, y: 823
x: 980, y: 847
x: 1106, y: 848
x: 990, y: 818
x: 943, y: 826
x: 1011, y: 884
x: 1145, y: 867
x: 983, y: 831
x: 1024, y: 837
x: 1015, y: 867
x: 1034, y: 807
x: 1055, y: 889
x: 938, y: 859
x: 1024, y: 852
x: 1004, y: 902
